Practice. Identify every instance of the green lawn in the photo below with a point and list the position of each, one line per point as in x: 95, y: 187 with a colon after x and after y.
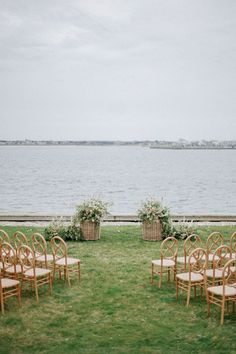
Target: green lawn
x: 115, y: 309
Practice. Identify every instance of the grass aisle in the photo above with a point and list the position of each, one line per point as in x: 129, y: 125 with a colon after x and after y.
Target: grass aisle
x: 115, y: 309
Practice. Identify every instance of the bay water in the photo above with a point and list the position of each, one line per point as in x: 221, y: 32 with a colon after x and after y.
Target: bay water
x: 55, y: 178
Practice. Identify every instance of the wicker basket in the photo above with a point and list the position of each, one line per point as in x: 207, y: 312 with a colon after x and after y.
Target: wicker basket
x: 90, y: 230
x: 152, y: 231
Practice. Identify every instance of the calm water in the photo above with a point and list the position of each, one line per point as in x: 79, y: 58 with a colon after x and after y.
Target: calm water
x: 55, y: 179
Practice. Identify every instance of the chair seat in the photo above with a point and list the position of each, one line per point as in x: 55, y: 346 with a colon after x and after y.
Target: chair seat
x: 232, y: 256
x: 182, y: 260
x: 210, y: 257
x: 195, y: 277
x: 218, y: 290
x: 42, y: 258
x: 70, y: 261
x: 38, y: 272
x: 12, y: 270
x: 218, y: 273
x: 165, y: 262
x: 8, y: 283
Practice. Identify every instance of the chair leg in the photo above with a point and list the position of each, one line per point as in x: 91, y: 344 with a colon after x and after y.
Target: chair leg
x: 65, y: 273
x: 50, y: 283
x: 2, y: 303
x: 208, y: 304
x: 19, y: 294
x: 188, y: 295
x: 177, y: 289
x: 222, y: 312
x: 36, y: 290
x: 53, y: 272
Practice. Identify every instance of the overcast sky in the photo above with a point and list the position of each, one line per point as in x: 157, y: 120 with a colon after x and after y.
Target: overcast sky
x: 118, y: 69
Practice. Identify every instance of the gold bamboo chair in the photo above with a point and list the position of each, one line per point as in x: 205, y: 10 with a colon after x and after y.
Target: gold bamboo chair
x: 63, y: 263
x: 9, y: 288
x: 221, y: 295
x: 214, y: 240
x: 39, y: 245
x: 191, y: 243
x: 30, y: 273
x: 11, y: 269
x: 19, y: 239
x: 167, y: 262
x: 232, y: 254
x: 195, y: 277
x: 4, y: 237
x: 220, y: 258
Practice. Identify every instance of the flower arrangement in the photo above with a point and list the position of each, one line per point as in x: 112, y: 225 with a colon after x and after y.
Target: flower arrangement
x: 151, y: 211
x: 91, y: 210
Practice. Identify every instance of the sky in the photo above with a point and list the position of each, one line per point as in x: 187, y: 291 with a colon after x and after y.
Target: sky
x: 118, y: 69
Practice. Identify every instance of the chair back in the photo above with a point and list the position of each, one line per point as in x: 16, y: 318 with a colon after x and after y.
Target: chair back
x: 4, y: 237
x: 233, y: 243
x: 214, y: 240
x: 19, y: 239
x: 39, y: 246
x: 221, y: 257
x: 169, y: 248
x: 191, y: 243
x: 59, y: 248
x: 26, y: 258
x: 197, y: 261
x: 8, y: 255
x: 229, y: 275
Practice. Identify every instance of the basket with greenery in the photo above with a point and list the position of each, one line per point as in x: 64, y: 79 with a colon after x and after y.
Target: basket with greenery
x: 157, y: 223
x: 155, y: 219
x: 89, y: 214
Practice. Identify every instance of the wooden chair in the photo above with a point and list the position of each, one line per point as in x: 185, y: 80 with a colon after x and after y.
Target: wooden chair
x: 11, y: 269
x: 191, y: 243
x: 167, y: 262
x: 39, y: 245
x: 220, y: 258
x: 62, y: 262
x: 4, y: 237
x: 9, y: 288
x: 195, y: 276
x: 225, y: 293
x: 30, y: 273
x: 19, y: 239
x: 232, y: 253
x: 214, y: 240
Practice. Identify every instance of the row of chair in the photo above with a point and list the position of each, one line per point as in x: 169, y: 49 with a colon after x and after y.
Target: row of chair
x: 212, y: 269
x: 20, y: 263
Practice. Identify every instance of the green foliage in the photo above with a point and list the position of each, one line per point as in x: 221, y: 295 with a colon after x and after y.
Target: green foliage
x: 182, y: 230
x: 69, y: 232
x: 92, y: 209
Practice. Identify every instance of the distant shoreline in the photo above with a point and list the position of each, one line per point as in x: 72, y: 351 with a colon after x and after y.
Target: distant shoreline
x: 161, y: 145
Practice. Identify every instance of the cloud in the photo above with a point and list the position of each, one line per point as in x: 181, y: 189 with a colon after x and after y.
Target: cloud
x: 117, y: 60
